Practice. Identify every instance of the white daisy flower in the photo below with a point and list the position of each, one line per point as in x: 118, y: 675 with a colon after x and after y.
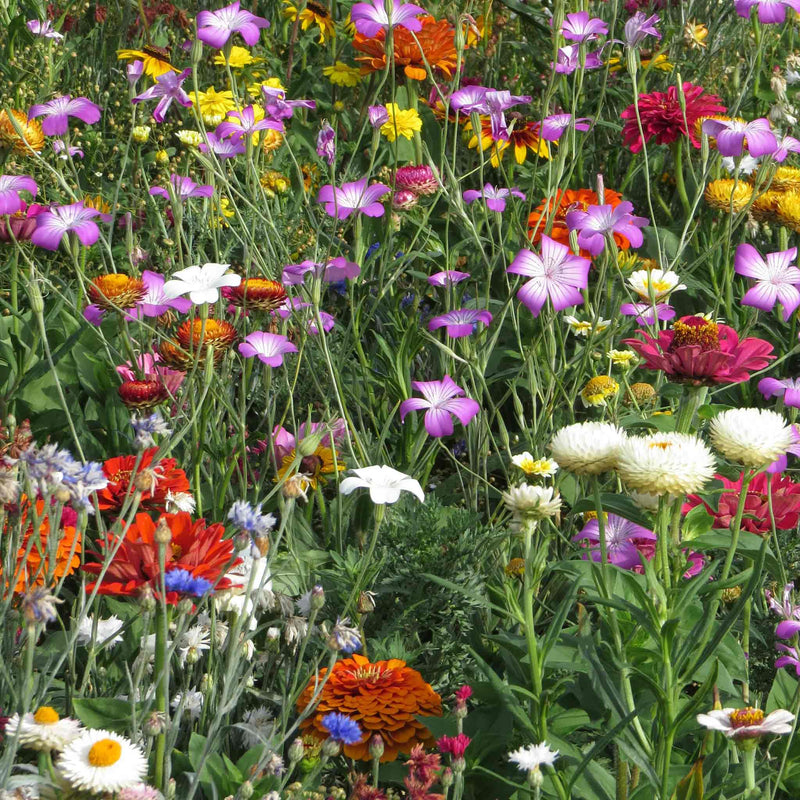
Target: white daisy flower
x: 751, y: 436
x: 665, y: 463
x: 192, y: 705
x: 532, y: 503
x: 584, y: 327
x: 660, y: 282
x: 544, y: 467
x: 44, y: 730
x: 747, y: 723
x: 193, y: 643
x: 102, y: 761
x: 530, y: 759
x: 107, y: 629
x: 587, y: 448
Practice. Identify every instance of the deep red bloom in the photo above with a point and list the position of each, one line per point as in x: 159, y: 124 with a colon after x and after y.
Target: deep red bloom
x: 166, y: 476
x: 662, y: 116
x: 454, y: 745
x: 701, y: 353
x: 199, y: 549
x: 756, y: 518
x: 423, y: 767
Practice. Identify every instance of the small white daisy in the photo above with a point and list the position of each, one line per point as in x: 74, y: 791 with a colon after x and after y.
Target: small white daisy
x: 44, y: 730
x: 107, y: 629
x: 751, y: 436
x: 660, y: 281
x: 102, y: 761
x: 587, y: 448
x: 544, y: 467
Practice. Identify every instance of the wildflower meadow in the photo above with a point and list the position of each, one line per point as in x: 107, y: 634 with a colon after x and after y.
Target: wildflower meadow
x: 398, y: 402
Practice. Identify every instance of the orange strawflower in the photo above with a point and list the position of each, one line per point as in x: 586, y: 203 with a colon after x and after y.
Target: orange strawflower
x: 48, y: 559
x: 255, y: 293
x: 32, y: 137
x: 115, y: 291
x: 196, y: 333
x: 437, y: 40
x: 384, y: 698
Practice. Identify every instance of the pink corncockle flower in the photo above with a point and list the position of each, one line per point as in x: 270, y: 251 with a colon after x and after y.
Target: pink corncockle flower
x: 454, y: 746
x: 326, y: 143
x: 44, y: 29
x: 733, y: 136
x: 134, y: 71
x: 56, y: 113
x: 568, y: 60
x: 497, y: 103
x: 65, y: 153
x: 168, y: 87
x: 243, y: 123
x: 182, y: 188
x: 10, y: 187
x: 639, y: 27
x: 776, y: 467
x: 448, y: 277
x: 495, y: 198
x: 222, y: 148
x: 440, y: 400
x: 285, y: 311
x: 151, y: 369
x: 785, y: 144
x: 647, y: 314
x: 787, y: 388
x: 626, y: 542
x: 52, y: 224
x: 787, y: 609
x: 93, y: 314
x: 554, y: 126
x: 278, y: 107
x: 597, y: 221
x: 268, y: 347
x: 770, y: 12
x: 337, y: 269
x: 460, y: 322
x: 747, y: 723
x: 333, y: 435
x: 370, y: 18
x: 776, y: 279
x: 155, y: 302
x: 469, y: 99
x: 378, y: 116
x: 580, y: 27
x: 557, y: 273
x: 214, y: 28
x: 355, y: 197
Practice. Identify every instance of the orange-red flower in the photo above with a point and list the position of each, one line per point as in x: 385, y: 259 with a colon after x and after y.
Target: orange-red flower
x: 196, y: 550
x: 259, y: 293
x: 115, y: 291
x: 437, y: 40
x: 32, y: 137
x: 51, y: 556
x: 166, y: 476
x: 384, y: 698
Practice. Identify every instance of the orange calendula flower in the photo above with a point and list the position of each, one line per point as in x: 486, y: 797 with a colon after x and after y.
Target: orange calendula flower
x: 436, y: 40
x: 384, y: 697
x: 255, y: 293
x: 115, y: 291
x: 523, y: 136
x: 30, y: 135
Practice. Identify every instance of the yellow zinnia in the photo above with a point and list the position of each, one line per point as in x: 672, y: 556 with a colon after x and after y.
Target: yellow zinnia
x: 238, y: 58
x: 341, y: 74
x: 401, y: 122
x: 214, y: 105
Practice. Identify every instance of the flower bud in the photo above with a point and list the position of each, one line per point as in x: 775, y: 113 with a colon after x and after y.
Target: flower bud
x: 296, y: 750
x: 185, y: 607
x: 162, y: 533
x: 447, y: 778
x: 331, y: 748
x: 162, y: 157
x: 535, y: 777
x: 459, y: 765
x: 317, y: 598
x: 35, y: 297
x: 309, y: 444
x: 376, y: 746
x: 206, y: 683
x: 246, y: 791
x: 62, y: 494
x: 155, y: 724
x: 171, y: 789
x: 147, y: 600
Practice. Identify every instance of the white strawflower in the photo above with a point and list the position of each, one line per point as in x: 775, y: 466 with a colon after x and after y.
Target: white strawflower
x: 44, y: 730
x: 658, y: 281
x: 645, y: 500
x: 532, y: 502
x: 751, y: 436
x: 102, y: 761
x: 106, y: 629
x: 665, y: 463
x: 587, y: 448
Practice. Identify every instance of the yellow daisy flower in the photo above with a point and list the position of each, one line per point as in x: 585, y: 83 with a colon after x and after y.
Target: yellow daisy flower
x: 214, y: 105
x: 341, y: 74
x: 312, y: 14
x: 239, y: 57
x: 598, y: 390
x: 401, y: 122
x: 154, y: 59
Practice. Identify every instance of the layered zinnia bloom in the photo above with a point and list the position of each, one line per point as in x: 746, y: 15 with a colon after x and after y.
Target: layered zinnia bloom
x: 384, y: 698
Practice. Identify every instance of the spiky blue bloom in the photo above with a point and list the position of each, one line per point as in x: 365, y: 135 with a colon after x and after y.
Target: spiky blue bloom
x: 181, y: 580
x: 341, y: 728
x: 147, y: 427
x: 250, y: 519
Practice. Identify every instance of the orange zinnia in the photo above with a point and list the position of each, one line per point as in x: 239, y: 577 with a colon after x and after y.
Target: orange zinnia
x: 437, y: 40
x: 384, y: 698
x: 45, y: 560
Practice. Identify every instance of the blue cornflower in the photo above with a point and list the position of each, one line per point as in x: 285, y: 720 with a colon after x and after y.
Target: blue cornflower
x: 83, y: 481
x: 146, y: 427
x: 250, y: 519
x: 341, y: 728
x: 372, y: 249
x: 344, y: 637
x: 181, y: 580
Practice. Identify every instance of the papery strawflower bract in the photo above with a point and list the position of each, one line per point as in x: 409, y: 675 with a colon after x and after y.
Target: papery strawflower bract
x: 355, y: 197
x: 441, y: 401
x: 753, y: 437
x: 777, y: 280
x: 53, y: 223
x: 587, y: 448
x: 43, y: 730
x: 369, y: 18
x: 56, y: 113
x: 214, y: 28
x: 532, y: 503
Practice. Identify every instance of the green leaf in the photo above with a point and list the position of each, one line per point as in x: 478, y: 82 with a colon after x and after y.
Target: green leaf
x: 696, y: 523
x: 101, y: 712
x: 783, y: 691
x: 615, y: 504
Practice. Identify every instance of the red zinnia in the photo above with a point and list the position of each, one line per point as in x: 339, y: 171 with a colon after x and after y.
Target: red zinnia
x: 662, y: 116
x: 700, y: 352
x: 165, y: 477
x: 196, y: 548
x: 756, y: 518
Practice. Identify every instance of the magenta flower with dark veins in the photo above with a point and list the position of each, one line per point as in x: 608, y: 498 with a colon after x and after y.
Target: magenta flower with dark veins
x: 639, y: 27
x: 460, y: 322
x: 168, y: 88
x: 214, y: 28
x: 787, y: 388
x: 155, y: 302
x: 56, y: 113
x: 623, y: 541
x: 10, y: 187
x: 496, y: 104
x: 65, y: 153
x: 243, y: 123
x: 568, y: 60
x: 21, y: 224
x: 776, y: 278
x: 52, y: 224
x: 378, y: 116
x: 448, y: 277
x: 337, y: 269
x: 370, y: 18
x: 134, y: 71
x: 441, y: 400
x: 597, y: 221
x: 554, y: 126
x: 278, y: 107
x: 355, y: 197
x: 44, y: 29
x: 182, y: 188
x: 734, y: 137
x: 469, y: 99
x: 580, y: 27
x: 222, y: 148
x: 326, y: 143
x: 269, y: 348
x: 647, y: 314
x: 770, y: 12
x: 785, y: 144
x: 495, y: 198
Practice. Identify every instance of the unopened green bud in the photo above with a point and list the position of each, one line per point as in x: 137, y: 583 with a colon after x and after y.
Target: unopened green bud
x: 331, y: 748
x: 296, y: 750
x: 246, y: 791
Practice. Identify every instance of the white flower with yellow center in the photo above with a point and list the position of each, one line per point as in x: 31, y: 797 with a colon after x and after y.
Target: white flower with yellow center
x: 541, y: 467
x: 659, y: 282
x: 665, y: 463
x: 622, y: 358
x: 532, y: 503
x: 747, y: 723
x: 585, y: 327
x: 44, y: 730
x: 751, y: 436
x: 190, y: 138
x: 102, y: 761
x: 587, y: 448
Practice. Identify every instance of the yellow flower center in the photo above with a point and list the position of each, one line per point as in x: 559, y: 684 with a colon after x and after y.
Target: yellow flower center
x: 46, y: 716
x: 695, y: 331
x: 660, y: 445
x: 743, y: 717
x: 105, y: 753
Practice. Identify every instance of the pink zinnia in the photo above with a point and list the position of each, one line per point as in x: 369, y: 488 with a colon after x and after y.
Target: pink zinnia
x: 662, y: 116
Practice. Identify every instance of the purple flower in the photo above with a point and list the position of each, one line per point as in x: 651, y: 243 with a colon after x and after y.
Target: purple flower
x: 93, y: 314
x: 326, y: 143
x: 496, y: 104
x: 647, y: 314
x: 567, y: 60
x: 269, y: 347
x: 278, y: 107
x: 732, y: 135
x: 621, y: 535
x: 378, y: 116
x: 788, y: 389
x: 52, y: 224
x: 782, y: 462
x: 554, y: 126
x: 786, y: 609
x: 155, y: 302
x: 785, y: 145
x: 495, y: 198
x: 10, y: 187
x: 337, y: 269
x: 469, y: 99
x: 448, y: 277
x: 597, y: 221
x: 461, y: 322
x: 776, y: 279
x: 57, y: 111
x: 168, y: 87
x: 769, y: 11
x: 285, y: 311
x: 135, y: 70
x: 222, y: 148
x: 579, y: 27
x: 59, y: 147
x: 216, y: 27
x: 370, y: 18
x: 639, y: 27
x: 353, y: 197
x: 44, y: 29
x: 183, y: 188
x: 245, y: 125
x: 440, y: 399
x: 557, y: 273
